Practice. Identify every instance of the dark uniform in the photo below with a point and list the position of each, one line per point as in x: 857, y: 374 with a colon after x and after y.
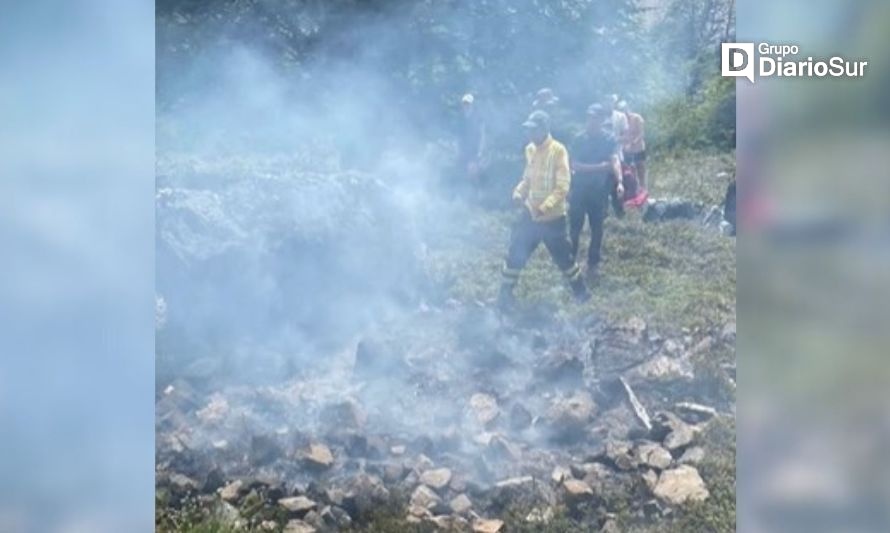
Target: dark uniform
x: 589, y: 193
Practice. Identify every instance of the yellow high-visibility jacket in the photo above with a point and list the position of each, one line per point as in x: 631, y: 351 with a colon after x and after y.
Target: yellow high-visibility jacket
x: 546, y: 179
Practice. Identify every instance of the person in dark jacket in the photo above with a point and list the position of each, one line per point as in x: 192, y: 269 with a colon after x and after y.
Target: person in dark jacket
x: 595, y: 171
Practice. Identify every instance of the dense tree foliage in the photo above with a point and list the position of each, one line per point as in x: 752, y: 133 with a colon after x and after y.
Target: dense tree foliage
x: 660, y: 55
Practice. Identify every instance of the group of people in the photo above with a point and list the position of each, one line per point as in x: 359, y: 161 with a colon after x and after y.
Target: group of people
x: 563, y: 187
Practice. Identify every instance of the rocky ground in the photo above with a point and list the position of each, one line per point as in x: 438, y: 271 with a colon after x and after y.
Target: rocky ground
x: 445, y: 414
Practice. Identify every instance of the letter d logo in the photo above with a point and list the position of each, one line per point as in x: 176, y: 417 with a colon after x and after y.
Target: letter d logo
x: 737, y: 59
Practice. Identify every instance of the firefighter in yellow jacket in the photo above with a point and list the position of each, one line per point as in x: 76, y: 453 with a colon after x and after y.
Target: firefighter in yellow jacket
x: 542, y: 195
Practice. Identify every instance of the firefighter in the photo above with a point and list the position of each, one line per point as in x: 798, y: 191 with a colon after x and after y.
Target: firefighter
x: 595, y: 172
x: 541, y: 194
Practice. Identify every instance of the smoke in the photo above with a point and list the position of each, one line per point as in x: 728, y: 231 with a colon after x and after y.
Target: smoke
x: 304, y: 182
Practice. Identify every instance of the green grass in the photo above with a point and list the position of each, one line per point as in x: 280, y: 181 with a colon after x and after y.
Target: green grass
x: 674, y: 274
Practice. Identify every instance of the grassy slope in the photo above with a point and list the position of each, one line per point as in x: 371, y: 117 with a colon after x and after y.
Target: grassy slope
x: 673, y: 274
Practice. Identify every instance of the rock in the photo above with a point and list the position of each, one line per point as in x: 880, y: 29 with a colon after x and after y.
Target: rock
x: 619, y: 453
x: 679, y: 485
x: 215, y: 411
x: 650, y: 453
x: 662, y: 368
x: 422, y: 463
x: 458, y: 483
x: 460, y: 504
x: 484, y: 408
x: 517, y: 491
x: 298, y: 526
x: 567, y: 418
x: 672, y: 347
x: 483, y: 525
x: 318, y: 456
x: 437, y: 478
x: 692, y: 456
x: 610, y: 526
x: 424, y: 497
x: 560, y: 474
x: 182, y: 482
x: 364, y: 493
x: 677, y: 433
x: 268, y: 525
x: 621, y: 345
x: 313, y: 518
x: 230, y: 492
x: 520, y: 417
x: 576, y: 490
x: 335, y: 517
x: 297, y: 504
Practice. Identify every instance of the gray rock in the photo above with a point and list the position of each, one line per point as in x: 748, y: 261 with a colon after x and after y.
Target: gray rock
x: 483, y: 525
x: 365, y: 493
x: 619, y: 453
x: 662, y: 368
x: 679, y: 485
x: 576, y: 490
x: 692, y: 456
x: 675, y: 432
x: 299, y: 505
x: 460, y: 504
x: 560, y: 474
x: 437, y: 478
x: 567, y: 419
x: 484, y: 408
x: 182, y: 482
x: 335, y: 517
x: 298, y: 526
x: 424, y: 497
x: 318, y: 456
x: 652, y: 454
x: 230, y: 492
